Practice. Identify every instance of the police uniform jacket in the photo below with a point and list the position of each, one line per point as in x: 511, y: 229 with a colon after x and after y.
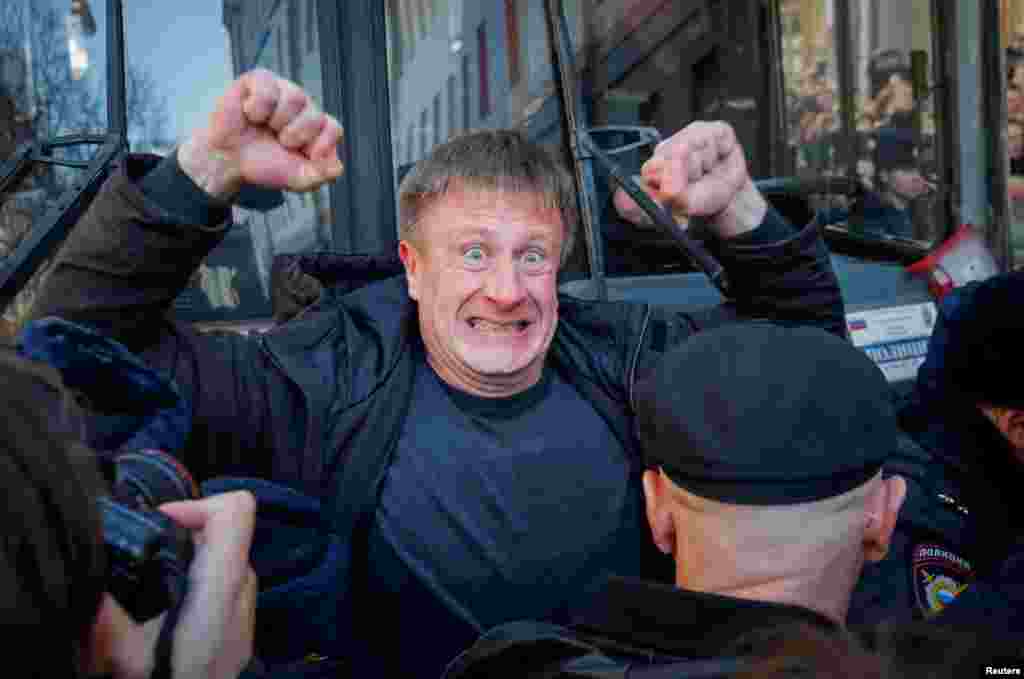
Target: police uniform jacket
x: 631, y: 625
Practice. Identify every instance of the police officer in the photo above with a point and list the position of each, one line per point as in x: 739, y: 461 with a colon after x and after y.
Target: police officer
x: 891, y: 100
x: 968, y: 414
x: 764, y: 482
x: 899, y: 182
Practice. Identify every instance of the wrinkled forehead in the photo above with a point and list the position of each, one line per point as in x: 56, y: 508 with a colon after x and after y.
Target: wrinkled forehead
x: 496, y: 211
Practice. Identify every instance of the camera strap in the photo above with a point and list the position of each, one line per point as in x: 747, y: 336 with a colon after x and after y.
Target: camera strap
x: 165, y: 642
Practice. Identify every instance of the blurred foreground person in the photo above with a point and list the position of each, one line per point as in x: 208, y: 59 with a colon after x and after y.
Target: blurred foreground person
x: 53, y: 563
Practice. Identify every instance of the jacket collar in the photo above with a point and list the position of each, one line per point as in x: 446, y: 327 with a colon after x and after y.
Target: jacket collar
x: 671, y: 620
x: 299, y: 280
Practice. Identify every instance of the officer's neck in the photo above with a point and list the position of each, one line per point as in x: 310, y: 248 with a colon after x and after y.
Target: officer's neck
x: 825, y: 589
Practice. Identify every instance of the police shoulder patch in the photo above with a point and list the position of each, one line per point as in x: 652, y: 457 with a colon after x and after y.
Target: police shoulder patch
x: 939, y: 576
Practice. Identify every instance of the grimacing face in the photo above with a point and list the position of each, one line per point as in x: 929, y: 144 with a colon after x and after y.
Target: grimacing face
x: 483, y: 267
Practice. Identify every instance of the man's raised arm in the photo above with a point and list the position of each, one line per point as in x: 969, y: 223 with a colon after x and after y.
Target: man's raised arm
x: 776, y: 272
x: 152, y: 224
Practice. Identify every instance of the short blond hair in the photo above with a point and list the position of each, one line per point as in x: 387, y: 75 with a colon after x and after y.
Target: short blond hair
x: 489, y: 161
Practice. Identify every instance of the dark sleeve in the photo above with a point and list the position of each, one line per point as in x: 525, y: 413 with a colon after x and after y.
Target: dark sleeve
x: 788, y: 281
x: 121, y: 268
x: 170, y: 188
x: 127, y: 259
x: 772, y: 229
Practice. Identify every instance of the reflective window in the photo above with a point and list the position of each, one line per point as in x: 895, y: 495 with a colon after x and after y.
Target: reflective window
x: 656, y: 66
x: 52, y: 70
x: 481, y: 65
x: 52, y: 83
x: 1013, y: 42
x: 456, y: 66
x: 809, y: 67
x: 890, y: 143
x: 224, y: 40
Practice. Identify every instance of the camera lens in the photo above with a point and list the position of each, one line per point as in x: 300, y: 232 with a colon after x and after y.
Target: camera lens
x: 148, y: 552
x: 149, y: 478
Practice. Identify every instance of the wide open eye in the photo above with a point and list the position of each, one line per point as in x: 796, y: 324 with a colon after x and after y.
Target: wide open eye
x: 536, y: 261
x: 474, y: 257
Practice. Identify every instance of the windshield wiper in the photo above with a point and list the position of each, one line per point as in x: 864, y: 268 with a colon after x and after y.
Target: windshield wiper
x: 583, y: 151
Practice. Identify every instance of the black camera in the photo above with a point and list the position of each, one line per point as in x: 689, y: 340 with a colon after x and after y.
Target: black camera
x: 148, y: 553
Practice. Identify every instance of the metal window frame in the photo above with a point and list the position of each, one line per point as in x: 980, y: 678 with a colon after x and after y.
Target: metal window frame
x: 467, y: 81
x: 484, y: 63
x: 354, y: 62
x: 450, y: 85
x: 995, y: 116
x: 947, y: 117
x: 780, y: 162
x: 437, y: 118
x: 310, y: 26
x: 423, y: 133
x: 512, y: 49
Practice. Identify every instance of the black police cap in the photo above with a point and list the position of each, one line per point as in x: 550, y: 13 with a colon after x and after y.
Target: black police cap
x: 981, y: 335
x: 884, y: 64
x: 759, y: 414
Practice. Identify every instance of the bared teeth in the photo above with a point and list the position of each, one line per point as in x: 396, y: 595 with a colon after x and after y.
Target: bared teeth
x: 489, y: 326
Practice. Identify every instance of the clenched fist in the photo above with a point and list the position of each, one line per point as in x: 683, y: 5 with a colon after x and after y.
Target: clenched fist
x: 265, y: 132
x: 700, y: 171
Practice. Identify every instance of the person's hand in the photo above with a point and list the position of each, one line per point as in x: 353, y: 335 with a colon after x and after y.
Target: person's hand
x: 700, y: 171
x: 213, y: 638
x: 214, y: 635
x: 266, y: 131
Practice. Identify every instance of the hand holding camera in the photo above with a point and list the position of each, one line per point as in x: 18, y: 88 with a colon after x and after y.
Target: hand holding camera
x: 171, y: 553
x: 151, y: 567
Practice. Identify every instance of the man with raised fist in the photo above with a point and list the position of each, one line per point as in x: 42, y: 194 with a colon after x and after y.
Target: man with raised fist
x: 465, y: 426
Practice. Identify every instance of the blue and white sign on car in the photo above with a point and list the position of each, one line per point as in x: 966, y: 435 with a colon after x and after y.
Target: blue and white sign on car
x: 895, y: 338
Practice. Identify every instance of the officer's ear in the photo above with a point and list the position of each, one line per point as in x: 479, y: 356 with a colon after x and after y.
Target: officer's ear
x: 1015, y: 430
x: 659, y: 510
x: 1011, y: 423
x: 881, y: 511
